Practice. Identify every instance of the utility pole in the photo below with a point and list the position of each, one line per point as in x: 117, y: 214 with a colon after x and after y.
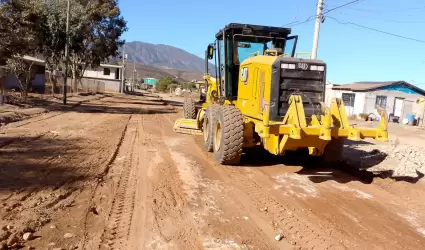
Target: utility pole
x: 317, y: 28
x: 134, y: 75
x: 66, y: 53
x: 123, y: 70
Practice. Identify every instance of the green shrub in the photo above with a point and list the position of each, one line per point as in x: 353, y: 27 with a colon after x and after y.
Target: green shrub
x: 164, y: 83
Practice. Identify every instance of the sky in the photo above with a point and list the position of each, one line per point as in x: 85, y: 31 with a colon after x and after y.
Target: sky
x: 352, y: 53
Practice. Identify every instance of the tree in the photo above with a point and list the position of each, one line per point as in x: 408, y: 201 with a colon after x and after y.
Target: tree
x: 37, y: 27
x: 53, y: 31
x: 24, y: 71
x: 19, y: 28
x: 164, y: 83
x: 20, y: 22
x: 189, y: 86
x: 95, y: 34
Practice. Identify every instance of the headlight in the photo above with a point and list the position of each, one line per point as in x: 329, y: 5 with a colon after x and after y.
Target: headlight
x: 287, y: 66
x: 317, y: 68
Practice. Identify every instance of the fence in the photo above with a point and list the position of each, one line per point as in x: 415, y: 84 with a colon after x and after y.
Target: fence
x: 91, y: 86
x: 75, y: 87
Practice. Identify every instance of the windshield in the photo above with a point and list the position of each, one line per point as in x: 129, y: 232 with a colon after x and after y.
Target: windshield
x: 247, y: 49
x: 248, y: 46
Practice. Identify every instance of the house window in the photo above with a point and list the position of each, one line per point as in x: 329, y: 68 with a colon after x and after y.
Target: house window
x: 106, y: 72
x: 348, y: 99
x: 381, y: 101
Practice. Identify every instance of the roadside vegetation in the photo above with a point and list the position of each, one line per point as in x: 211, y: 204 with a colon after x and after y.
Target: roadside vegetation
x: 37, y: 28
x: 166, y: 83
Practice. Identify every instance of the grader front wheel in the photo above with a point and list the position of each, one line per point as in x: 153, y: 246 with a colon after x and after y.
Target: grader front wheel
x: 228, y: 135
x: 189, y: 109
x: 208, y: 127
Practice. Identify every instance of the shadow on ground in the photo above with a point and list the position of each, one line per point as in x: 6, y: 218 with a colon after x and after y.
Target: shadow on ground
x: 175, y: 103
x: 92, y: 108
x: 124, y: 104
x: 40, y: 162
x: 318, y: 172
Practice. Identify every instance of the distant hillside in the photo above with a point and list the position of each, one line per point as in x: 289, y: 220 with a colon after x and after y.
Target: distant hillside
x: 143, y: 71
x: 163, y: 56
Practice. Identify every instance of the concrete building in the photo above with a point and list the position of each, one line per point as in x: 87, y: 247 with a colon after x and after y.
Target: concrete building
x: 38, y: 82
x: 397, y: 97
x: 108, y: 74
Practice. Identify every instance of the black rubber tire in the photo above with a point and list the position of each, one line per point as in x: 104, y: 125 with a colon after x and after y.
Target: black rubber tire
x: 189, y: 109
x: 229, y: 145
x: 333, y: 152
x: 208, y: 126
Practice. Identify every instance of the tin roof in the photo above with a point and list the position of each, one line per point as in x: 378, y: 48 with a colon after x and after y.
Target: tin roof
x: 369, y: 86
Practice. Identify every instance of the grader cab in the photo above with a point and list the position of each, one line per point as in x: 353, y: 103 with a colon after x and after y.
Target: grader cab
x: 263, y: 95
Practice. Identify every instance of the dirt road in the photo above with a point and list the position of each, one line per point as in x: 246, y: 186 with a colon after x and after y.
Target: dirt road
x: 112, y: 174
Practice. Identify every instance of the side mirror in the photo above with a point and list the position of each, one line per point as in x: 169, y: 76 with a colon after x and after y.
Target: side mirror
x: 210, y: 51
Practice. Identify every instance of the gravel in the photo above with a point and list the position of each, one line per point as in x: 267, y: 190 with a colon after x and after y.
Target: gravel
x: 28, y: 236
x: 398, y: 160
x: 68, y: 235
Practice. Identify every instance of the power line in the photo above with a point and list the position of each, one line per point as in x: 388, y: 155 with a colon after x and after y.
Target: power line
x: 292, y: 24
x: 376, y: 30
x: 385, y: 20
x: 388, y: 11
x: 355, y: 1
x: 310, y: 17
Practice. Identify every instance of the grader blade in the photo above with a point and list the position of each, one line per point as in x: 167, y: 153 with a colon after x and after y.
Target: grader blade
x: 187, y: 126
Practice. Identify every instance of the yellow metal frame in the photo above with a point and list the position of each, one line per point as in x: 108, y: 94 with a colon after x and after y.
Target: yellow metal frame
x: 194, y: 126
x: 294, y: 132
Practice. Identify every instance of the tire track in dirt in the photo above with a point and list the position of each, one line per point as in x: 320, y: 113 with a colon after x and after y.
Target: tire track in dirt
x: 65, y: 191
x: 171, y: 203
x: 120, y: 216
x: 85, y: 132
x: 102, y: 176
x: 155, y: 183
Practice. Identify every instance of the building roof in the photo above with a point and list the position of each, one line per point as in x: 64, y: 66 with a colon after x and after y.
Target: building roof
x: 369, y: 86
x: 111, y: 66
x: 105, y: 65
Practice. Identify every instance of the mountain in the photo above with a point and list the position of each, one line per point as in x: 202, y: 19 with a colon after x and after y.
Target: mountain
x: 164, y: 56
x: 145, y: 71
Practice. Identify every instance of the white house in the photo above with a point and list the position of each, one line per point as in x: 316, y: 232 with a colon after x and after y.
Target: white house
x: 397, y: 97
x: 38, y: 82
x: 108, y: 74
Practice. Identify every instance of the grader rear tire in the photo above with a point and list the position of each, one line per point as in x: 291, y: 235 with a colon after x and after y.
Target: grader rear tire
x: 228, y: 135
x: 189, y: 109
x: 333, y: 152
x: 208, y: 123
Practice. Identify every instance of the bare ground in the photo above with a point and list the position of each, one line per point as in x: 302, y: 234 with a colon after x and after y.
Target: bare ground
x: 112, y: 174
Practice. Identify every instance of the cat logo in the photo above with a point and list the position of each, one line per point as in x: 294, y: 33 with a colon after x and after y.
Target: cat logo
x: 303, y: 66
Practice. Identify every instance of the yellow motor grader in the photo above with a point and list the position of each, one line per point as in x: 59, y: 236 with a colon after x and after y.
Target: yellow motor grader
x: 262, y: 94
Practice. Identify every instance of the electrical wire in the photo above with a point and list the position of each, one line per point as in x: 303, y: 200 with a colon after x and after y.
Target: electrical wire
x: 355, y: 1
x: 292, y: 24
x: 376, y: 30
x: 384, y: 20
x: 388, y: 11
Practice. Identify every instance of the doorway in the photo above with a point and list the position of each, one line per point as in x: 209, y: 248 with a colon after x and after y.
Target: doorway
x: 398, y: 107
